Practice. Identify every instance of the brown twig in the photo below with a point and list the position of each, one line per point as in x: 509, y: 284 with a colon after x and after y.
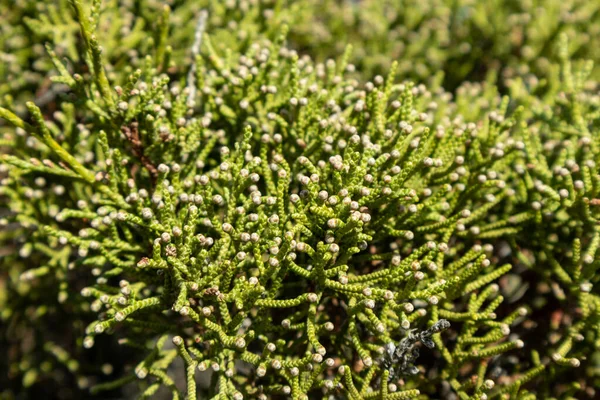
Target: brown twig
x: 132, y: 134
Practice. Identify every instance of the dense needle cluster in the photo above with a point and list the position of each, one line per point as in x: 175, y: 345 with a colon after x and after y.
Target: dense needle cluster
x: 211, y: 212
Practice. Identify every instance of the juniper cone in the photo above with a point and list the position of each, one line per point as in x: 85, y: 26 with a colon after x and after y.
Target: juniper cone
x: 299, y: 199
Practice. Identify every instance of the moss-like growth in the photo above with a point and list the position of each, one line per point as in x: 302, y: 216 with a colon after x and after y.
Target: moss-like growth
x: 196, y: 207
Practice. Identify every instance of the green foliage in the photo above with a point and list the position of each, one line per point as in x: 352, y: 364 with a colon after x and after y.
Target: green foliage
x: 460, y: 40
x: 194, y: 207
